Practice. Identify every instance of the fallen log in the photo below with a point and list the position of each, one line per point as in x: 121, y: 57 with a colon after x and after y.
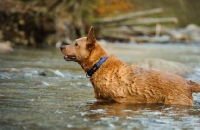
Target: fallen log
x: 115, y: 36
x: 143, y: 21
x: 128, y: 16
x: 128, y: 27
x: 134, y: 31
x: 149, y: 21
x: 121, y: 30
x: 135, y: 34
x: 136, y: 39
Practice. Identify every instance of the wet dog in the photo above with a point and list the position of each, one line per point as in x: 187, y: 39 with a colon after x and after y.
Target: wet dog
x: 116, y: 81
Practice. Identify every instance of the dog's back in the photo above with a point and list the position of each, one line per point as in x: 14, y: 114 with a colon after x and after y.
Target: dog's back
x: 119, y: 82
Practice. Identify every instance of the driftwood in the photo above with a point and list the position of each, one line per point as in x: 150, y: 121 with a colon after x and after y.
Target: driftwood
x: 136, y: 34
x: 149, y: 21
x: 134, y: 31
x: 128, y: 16
x: 143, y: 21
x: 127, y: 27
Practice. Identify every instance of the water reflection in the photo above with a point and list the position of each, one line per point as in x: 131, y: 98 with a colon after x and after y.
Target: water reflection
x: 151, y: 116
x: 124, y: 110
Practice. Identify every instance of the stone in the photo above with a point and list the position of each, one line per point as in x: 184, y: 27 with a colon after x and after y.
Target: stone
x: 51, y: 73
x: 164, y: 65
x: 5, y: 47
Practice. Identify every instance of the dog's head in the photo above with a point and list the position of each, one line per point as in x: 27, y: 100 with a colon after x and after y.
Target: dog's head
x: 80, y: 49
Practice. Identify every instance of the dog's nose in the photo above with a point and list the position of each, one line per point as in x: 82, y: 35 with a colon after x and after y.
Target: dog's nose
x: 61, y: 47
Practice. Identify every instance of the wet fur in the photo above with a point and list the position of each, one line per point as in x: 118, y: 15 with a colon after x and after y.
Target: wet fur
x: 116, y: 81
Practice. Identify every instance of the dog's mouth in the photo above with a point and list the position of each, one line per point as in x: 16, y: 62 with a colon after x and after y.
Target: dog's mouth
x: 70, y: 58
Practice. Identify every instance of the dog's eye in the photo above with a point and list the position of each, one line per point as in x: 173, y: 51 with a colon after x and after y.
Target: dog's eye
x: 76, y: 44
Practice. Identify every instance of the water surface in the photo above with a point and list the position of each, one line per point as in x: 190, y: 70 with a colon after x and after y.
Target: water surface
x: 39, y: 90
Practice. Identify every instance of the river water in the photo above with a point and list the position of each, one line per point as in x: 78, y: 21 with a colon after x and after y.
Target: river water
x: 39, y: 90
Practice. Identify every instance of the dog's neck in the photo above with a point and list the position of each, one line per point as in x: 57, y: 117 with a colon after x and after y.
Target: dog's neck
x: 96, y: 54
x: 96, y: 67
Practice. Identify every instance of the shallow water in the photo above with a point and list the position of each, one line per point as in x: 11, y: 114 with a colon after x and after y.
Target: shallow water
x: 39, y: 90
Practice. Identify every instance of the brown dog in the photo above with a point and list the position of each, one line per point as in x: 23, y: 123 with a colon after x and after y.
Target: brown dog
x: 116, y: 81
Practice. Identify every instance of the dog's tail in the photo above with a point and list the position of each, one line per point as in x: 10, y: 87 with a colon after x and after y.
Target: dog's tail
x: 195, y: 86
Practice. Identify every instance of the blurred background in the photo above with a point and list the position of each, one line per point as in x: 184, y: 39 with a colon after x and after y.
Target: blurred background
x: 40, y: 90
x: 44, y: 23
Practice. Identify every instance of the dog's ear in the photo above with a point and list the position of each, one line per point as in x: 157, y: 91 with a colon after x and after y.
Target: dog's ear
x: 91, y: 39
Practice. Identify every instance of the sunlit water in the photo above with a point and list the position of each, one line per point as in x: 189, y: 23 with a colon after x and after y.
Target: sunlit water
x: 39, y: 90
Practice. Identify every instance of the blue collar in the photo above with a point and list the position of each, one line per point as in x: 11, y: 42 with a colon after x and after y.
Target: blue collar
x: 96, y: 67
